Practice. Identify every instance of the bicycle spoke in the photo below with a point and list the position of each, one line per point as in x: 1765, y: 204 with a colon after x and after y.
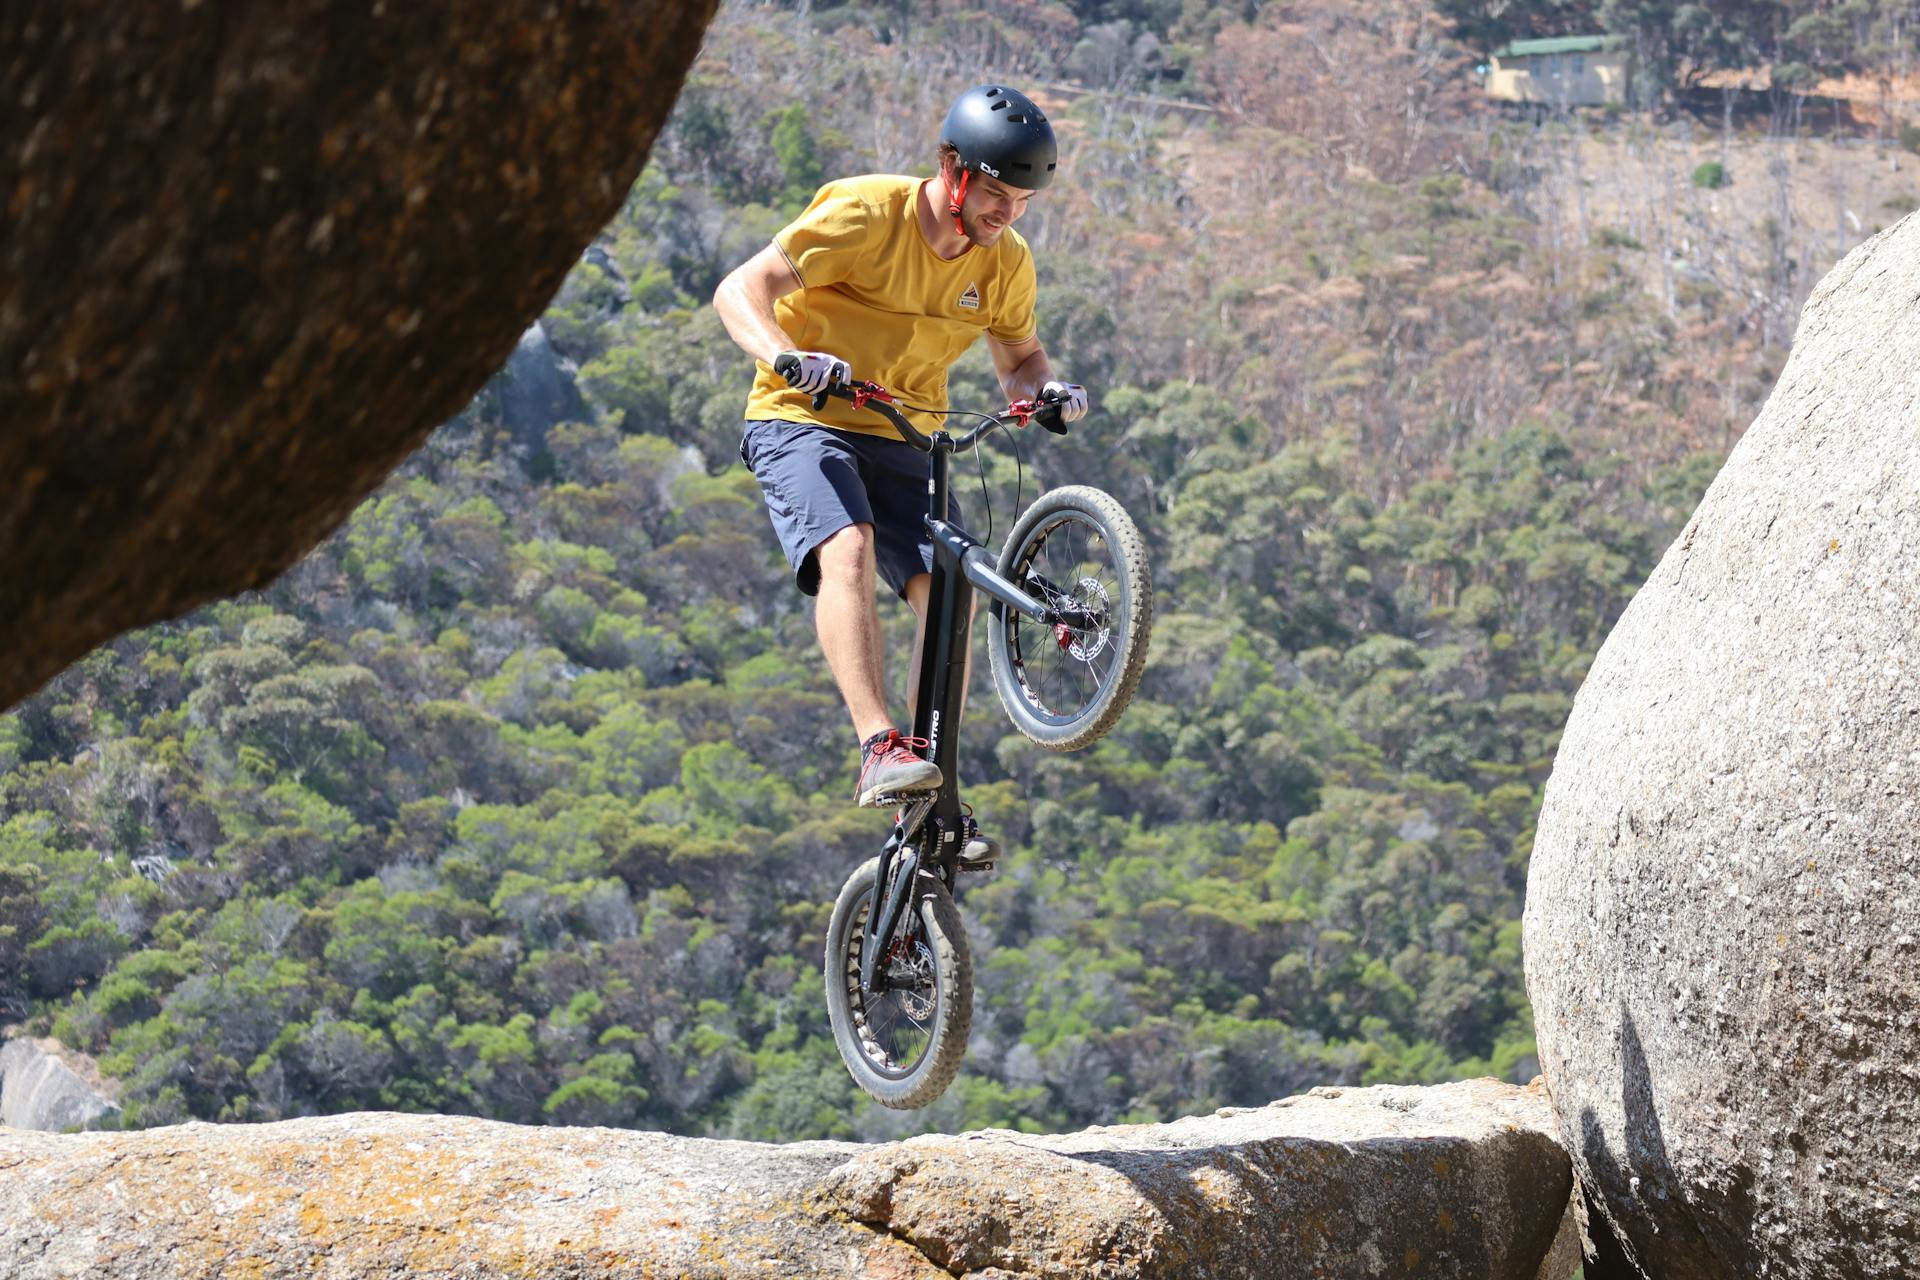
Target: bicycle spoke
x: 903, y: 1024
x: 882, y: 1013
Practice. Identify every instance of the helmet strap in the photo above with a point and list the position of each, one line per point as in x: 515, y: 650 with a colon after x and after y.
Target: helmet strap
x: 956, y: 196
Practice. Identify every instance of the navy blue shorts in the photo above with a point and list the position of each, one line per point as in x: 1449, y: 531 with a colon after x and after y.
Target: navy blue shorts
x: 818, y: 480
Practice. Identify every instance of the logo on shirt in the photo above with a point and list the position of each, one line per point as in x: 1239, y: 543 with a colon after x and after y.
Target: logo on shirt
x: 971, y: 298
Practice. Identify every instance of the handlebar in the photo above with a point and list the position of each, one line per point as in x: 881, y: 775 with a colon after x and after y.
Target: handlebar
x: 871, y: 395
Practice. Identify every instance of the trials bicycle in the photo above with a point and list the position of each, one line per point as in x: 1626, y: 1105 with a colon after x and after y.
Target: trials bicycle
x: 1067, y: 629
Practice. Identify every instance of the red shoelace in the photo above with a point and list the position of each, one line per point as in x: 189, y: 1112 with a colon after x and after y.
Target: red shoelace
x: 896, y: 740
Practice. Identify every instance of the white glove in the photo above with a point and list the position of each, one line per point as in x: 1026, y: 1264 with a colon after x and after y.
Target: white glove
x: 1072, y: 397
x: 814, y: 371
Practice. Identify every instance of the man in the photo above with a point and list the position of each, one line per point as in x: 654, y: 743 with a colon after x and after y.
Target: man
x: 889, y: 279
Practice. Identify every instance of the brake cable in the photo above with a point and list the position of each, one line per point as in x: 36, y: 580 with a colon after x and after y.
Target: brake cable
x: 1019, y: 463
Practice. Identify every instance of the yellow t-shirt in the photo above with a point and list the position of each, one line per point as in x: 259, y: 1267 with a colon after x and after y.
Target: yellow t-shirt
x: 877, y: 295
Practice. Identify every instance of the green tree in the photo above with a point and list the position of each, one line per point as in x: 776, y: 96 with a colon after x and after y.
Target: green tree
x: 21, y: 918
x: 792, y: 135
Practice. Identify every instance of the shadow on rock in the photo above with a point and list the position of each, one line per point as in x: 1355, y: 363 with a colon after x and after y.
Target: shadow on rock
x: 1644, y: 1195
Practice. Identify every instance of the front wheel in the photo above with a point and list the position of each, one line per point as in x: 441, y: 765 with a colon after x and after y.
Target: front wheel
x: 1065, y: 682
x: 902, y: 1045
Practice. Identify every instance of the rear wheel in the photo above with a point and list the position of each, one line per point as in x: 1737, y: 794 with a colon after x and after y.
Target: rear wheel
x: 903, y: 1045
x: 1065, y: 682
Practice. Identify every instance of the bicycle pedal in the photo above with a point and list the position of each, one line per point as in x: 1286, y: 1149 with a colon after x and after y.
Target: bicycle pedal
x: 910, y: 814
x: 974, y: 866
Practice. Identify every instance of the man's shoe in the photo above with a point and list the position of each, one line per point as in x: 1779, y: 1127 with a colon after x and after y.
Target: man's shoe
x: 889, y: 767
x: 979, y: 848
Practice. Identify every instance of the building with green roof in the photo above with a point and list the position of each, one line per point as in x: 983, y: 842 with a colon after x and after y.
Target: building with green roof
x: 1561, y: 71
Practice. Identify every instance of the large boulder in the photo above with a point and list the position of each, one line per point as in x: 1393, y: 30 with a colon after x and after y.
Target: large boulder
x: 1723, y: 913
x: 253, y: 254
x: 43, y: 1086
x: 1461, y: 1180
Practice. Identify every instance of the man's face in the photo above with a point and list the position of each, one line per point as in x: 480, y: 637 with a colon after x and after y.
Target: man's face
x: 990, y: 208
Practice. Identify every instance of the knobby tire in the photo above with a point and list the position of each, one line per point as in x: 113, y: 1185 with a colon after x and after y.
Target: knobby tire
x: 866, y: 1027
x: 1066, y: 691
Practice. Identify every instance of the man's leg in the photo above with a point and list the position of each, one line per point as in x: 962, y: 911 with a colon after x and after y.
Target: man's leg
x: 849, y: 627
x: 813, y: 480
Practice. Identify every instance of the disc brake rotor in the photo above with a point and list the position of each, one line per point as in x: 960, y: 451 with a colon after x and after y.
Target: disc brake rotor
x: 910, y: 977
x: 1090, y: 644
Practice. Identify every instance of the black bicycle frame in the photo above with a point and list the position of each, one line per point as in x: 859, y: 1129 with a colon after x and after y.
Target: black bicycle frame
x: 960, y: 565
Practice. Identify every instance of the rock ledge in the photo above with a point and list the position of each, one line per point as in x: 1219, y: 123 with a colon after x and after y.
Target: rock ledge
x: 1455, y: 1180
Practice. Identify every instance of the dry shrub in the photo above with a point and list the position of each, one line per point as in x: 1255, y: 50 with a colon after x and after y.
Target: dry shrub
x: 1373, y: 86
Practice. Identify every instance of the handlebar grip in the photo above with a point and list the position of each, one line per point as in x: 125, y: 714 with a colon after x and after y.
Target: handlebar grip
x: 1048, y: 416
x: 787, y: 364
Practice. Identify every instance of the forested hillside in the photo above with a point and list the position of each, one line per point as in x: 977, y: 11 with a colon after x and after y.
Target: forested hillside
x: 527, y: 794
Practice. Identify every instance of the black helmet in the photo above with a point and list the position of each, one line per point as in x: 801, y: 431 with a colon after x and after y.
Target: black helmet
x: 999, y: 132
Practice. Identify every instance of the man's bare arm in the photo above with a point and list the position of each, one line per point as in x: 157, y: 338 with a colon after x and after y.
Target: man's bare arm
x: 745, y: 302
x: 1022, y: 367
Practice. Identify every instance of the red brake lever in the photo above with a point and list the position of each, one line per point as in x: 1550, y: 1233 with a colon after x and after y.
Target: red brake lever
x: 1023, y: 410
x: 865, y: 391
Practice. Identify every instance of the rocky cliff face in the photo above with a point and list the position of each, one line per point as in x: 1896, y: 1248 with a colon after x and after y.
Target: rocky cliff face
x: 40, y: 1089
x: 1460, y: 1180
x: 1723, y: 912
x: 533, y: 393
x: 254, y: 255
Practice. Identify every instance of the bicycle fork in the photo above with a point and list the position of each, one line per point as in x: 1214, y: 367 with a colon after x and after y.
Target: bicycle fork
x: 892, y: 889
